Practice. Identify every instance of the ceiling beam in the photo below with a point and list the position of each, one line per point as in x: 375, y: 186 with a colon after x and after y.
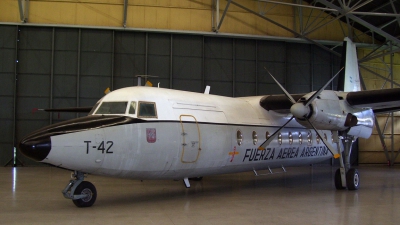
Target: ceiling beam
x: 125, y: 12
x: 362, y: 22
x: 286, y: 28
x: 23, y: 6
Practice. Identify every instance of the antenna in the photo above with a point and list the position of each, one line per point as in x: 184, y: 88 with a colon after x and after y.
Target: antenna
x: 207, y: 90
x: 145, y: 78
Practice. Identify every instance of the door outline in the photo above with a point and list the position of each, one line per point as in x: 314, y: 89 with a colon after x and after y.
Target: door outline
x: 184, y: 144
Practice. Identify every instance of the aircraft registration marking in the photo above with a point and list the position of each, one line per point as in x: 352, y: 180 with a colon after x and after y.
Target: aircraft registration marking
x: 104, y: 147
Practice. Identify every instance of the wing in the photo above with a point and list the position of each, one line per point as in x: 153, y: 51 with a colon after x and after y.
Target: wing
x: 278, y: 103
x: 380, y: 101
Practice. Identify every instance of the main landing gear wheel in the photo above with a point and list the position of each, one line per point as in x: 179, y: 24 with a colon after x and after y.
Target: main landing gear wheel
x: 353, y: 179
x: 338, y: 180
x: 85, y: 188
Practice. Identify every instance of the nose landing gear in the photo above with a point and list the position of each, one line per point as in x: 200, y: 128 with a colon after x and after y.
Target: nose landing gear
x: 82, y: 193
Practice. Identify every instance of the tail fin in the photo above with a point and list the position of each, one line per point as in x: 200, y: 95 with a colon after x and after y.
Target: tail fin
x: 350, y: 79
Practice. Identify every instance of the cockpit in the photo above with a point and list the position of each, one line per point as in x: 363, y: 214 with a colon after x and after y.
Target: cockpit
x: 139, y: 109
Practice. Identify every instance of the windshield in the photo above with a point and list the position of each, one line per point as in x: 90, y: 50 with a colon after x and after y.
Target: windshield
x: 112, y: 108
x: 94, y: 108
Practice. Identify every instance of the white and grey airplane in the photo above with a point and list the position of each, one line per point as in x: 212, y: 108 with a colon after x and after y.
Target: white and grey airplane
x: 156, y: 133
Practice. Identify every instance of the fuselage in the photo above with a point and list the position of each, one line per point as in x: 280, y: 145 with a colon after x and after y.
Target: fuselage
x: 156, y: 133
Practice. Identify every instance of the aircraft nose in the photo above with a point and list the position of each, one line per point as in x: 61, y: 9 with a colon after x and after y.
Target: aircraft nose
x: 36, y: 148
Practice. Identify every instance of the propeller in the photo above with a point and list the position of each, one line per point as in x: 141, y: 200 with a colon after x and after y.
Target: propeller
x: 301, y: 110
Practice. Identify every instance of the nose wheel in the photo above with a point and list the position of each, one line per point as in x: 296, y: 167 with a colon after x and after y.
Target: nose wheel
x: 82, y: 193
x: 87, y: 189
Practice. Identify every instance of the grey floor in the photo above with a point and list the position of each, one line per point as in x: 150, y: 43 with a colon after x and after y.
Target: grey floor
x: 304, y: 195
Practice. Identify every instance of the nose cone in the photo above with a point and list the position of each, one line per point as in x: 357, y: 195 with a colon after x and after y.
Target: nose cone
x: 37, y: 145
x: 36, y: 148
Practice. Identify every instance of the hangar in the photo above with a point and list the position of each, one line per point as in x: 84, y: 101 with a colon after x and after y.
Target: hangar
x: 57, y: 54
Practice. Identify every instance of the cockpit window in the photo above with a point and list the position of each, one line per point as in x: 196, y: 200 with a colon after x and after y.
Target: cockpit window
x: 112, y: 108
x: 147, y: 109
x: 132, y: 108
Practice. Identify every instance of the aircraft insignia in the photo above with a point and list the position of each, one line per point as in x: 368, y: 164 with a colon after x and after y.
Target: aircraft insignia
x: 233, y: 153
x: 151, y: 135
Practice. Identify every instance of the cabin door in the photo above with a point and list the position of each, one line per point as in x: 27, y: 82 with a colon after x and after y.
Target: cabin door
x: 191, y: 139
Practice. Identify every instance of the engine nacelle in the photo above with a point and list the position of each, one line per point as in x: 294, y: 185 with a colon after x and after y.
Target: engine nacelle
x: 330, y: 112
x: 365, y: 124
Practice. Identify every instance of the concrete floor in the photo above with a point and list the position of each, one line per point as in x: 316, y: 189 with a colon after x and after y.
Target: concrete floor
x: 305, y: 195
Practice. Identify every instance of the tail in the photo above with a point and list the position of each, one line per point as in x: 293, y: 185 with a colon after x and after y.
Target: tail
x: 349, y: 80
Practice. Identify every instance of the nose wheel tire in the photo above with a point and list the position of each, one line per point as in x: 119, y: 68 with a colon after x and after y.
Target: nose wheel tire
x: 88, y: 189
x: 353, y: 179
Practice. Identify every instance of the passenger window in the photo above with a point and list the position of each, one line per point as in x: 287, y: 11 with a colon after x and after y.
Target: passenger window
x: 255, y: 138
x: 300, y: 138
x: 267, y: 135
x: 239, y: 137
x: 132, y: 108
x: 147, y: 109
x: 309, y: 138
x: 280, y: 138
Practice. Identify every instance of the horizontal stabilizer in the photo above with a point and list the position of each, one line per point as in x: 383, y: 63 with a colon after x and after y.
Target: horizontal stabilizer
x: 74, y: 110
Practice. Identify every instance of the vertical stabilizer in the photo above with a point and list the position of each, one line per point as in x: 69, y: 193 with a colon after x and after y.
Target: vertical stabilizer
x: 351, y: 73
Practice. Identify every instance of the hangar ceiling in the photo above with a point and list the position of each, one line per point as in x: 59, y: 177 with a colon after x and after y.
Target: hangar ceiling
x: 378, y: 19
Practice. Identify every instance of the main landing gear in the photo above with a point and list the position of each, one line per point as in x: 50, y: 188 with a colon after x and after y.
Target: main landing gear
x: 82, y: 193
x: 346, y: 176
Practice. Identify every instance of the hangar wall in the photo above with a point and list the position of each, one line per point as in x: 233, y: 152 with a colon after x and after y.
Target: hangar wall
x: 46, y: 67
x: 371, y: 150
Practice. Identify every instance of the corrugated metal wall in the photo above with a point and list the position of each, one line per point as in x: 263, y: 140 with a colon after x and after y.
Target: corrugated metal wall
x: 7, y: 95
x: 44, y: 67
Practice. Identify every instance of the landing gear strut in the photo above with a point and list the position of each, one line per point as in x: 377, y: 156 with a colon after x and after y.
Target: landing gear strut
x: 82, y: 193
x: 346, y: 176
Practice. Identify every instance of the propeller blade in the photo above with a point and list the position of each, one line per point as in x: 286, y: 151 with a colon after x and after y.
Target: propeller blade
x: 334, y: 151
x: 283, y: 89
x: 321, y: 89
x: 268, y: 141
